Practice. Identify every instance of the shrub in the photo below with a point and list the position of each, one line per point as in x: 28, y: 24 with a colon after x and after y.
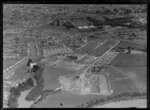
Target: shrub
x: 30, y: 82
x: 12, y: 103
x: 15, y: 91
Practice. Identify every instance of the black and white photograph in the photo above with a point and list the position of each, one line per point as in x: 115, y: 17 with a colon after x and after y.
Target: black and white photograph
x: 74, y: 55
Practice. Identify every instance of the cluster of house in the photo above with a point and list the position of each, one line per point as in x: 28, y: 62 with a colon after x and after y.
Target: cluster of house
x: 13, y: 51
x: 8, y: 53
x: 10, y: 56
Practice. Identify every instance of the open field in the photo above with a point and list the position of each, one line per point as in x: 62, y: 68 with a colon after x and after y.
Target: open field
x: 125, y: 44
x: 51, y: 76
x: 137, y: 75
x: 130, y: 60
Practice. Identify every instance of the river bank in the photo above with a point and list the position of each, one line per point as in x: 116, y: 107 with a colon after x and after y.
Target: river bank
x: 138, y: 103
x: 117, y: 98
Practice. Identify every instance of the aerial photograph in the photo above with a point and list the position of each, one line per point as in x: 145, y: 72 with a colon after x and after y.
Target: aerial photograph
x: 74, y: 55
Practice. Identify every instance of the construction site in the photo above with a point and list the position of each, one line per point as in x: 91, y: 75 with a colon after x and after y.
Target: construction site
x: 84, y: 82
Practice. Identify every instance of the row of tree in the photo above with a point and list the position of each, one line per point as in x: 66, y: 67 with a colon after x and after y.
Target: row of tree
x: 39, y: 15
x: 112, y: 10
x: 120, y: 21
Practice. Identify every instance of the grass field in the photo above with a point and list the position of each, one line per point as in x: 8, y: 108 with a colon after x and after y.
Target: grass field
x: 125, y: 44
x: 132, y: 78
x: 130, y: 60
x: 137, y: 75
x: 51, y: 76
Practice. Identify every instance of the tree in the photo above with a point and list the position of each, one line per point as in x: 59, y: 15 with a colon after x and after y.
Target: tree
x: 30, y: 82
x: 12, y: 103
x: 58, y: 22
x: 129, y: 50
x: 68, y: 25
x: 98, y: 12
x: 127, y: 11
x: 145, y: 49
x: 16, y: 40
x: 115, y: 11
x: 23, y: 86
x: 20, y: 86
x: 12, y: 90
x: 89, y: 24
x: 15, y: 91
x: 133, y: 36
